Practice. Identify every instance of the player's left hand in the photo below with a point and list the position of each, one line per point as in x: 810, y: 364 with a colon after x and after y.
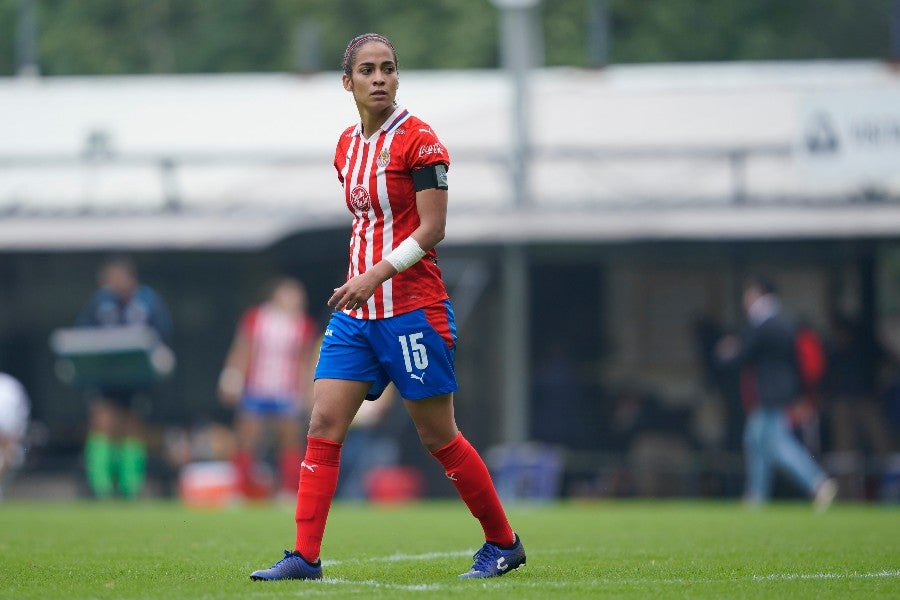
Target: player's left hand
x: 354, y: 293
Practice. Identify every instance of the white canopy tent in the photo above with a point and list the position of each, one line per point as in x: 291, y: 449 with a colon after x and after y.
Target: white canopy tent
x: 628, y: 152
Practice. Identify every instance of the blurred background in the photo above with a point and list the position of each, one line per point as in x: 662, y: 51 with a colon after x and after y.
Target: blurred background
x: 618, y: 168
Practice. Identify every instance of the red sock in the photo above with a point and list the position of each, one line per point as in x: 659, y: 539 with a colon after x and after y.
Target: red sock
x: 318, y: 480
x: 470, y: 475
x: 289, y: 468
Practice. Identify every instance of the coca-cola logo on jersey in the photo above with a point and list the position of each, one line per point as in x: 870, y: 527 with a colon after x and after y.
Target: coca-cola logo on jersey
x: 431, y: 149
x: 359, y: 198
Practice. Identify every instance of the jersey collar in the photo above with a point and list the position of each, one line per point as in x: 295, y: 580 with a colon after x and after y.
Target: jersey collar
x: 399, y: 115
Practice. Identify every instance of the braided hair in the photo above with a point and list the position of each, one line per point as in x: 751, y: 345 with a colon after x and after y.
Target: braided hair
x: 357, y: 42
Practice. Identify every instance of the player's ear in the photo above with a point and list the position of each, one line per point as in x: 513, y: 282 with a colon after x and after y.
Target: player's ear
x: 348, y: 83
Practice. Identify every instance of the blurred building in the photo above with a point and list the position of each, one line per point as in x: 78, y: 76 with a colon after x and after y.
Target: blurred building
x: 651, y: 190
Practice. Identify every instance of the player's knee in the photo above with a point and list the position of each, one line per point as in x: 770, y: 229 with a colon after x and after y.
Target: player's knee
x: 103, y: 420
x: 435, y: 438
x: 327, y: 426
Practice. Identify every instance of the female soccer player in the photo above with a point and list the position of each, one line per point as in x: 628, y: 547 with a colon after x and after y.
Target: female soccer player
x: 266, y: 378
x: 393, y: 321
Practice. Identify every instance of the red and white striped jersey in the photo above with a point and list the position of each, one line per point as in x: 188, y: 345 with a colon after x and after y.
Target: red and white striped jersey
x: 379, y: 191
x: 279, y: 345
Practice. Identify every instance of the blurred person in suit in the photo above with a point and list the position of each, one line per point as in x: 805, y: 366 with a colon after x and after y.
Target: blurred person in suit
x: 770, y: 380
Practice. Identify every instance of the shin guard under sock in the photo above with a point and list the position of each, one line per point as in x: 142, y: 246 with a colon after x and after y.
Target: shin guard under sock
x: 318, y: 481
x: 465, y: 468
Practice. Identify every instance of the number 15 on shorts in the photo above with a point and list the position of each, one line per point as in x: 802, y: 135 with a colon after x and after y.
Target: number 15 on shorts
x: 413, y: 351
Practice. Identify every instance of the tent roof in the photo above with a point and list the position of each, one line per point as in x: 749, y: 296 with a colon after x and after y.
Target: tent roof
x: 213, y: 161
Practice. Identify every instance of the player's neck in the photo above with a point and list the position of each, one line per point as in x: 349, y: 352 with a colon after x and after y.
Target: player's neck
x: 372, y: 121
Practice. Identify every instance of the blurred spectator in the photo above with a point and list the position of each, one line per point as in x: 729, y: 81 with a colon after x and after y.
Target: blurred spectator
x: 804, y: 414
x: 856, y: 410
x: 892, y: 400
x: 14, y: 411
x: 267, y: 377
x: 556, y: 376
x: 723, y: 383
x: 857, y: 417
x: 115, y: 452
x: 766, y: 355
x: 656, y: 442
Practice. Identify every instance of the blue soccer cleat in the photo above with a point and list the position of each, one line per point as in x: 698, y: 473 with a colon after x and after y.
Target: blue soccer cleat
x: 292, y: 566
x: 494, y: 561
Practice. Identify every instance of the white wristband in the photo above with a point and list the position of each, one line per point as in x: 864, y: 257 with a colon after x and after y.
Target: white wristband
x: 405, y: 255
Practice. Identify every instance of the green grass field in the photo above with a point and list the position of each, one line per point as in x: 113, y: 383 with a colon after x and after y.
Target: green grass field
x: 575, y: 550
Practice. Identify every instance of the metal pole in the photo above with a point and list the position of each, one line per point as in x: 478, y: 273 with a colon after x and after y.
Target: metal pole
x: 894, y: 26
x: 599, y: 35
x: 26, y: 40
x: 515, y: 345
x: 518, y: 52
x: 171, y: 197
x: 738, y: 161
x: 307, y: 47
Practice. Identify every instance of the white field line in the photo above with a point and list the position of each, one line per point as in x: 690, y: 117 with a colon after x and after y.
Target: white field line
x: 792, y: 576
x: 436, y: 587
x: 399, y: 557
x: 426, y: 587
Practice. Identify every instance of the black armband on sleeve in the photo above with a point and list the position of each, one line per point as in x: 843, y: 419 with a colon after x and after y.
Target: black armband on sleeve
x: 430, y: 177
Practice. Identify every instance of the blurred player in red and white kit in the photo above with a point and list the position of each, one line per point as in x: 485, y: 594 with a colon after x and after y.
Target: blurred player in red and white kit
x: 267, y: 377
x: 393, y: 321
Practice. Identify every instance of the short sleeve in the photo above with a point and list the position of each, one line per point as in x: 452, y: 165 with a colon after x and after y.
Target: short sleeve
x: 338, y: 155
x: 425, y: 148
x: 340, y: 152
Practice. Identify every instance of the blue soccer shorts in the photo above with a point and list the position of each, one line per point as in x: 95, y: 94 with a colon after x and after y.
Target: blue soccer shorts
x: 414, y: 350
x: 266, y: 406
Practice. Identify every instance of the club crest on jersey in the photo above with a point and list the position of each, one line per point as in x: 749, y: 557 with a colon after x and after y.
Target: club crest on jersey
x: 359, y: 198
x: 383, y: 159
